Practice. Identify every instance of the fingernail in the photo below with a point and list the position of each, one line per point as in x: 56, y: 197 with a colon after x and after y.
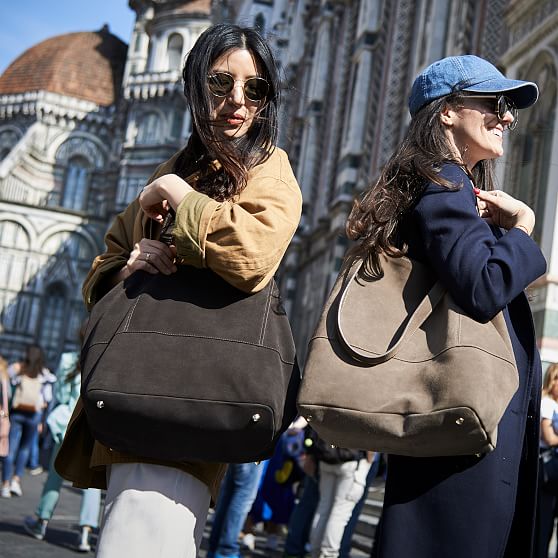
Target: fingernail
x: 476, y: 190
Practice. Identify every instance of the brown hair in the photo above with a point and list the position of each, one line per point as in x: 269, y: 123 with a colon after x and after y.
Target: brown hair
x: 375, y: 218
x: 34, y: 361
x: 550, y: 376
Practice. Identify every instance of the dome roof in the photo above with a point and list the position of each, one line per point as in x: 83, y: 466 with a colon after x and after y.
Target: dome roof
x: 193, y: 7
x: 86, y: 65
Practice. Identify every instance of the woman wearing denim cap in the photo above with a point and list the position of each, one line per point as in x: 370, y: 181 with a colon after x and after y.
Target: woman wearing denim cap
x: 435, y: 200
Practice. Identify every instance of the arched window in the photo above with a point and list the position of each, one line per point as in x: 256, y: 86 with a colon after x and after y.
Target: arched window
x: 76, y: 183
x: 52, y: 333
x: 259, y: 23
x: 177, y: 122
x: 531, y: 144
x: 8, y: 139
x: 15, y: 257
x: 174, y: 52
x: 148, y: 128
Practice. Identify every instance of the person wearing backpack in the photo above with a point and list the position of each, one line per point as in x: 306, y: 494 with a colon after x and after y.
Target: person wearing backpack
x: 342, y: 475
x: 32, y: 390
x: 66, y: 393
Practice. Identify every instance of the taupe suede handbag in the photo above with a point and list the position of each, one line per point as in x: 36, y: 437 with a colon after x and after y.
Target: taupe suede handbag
x: 396, y: 366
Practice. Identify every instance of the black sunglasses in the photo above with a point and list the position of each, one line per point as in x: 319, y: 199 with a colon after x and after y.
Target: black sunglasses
x: 221, y: 84
x: 503, y: 105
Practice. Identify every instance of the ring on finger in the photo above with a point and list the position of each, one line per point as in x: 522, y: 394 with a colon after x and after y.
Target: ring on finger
x: 147, y: 256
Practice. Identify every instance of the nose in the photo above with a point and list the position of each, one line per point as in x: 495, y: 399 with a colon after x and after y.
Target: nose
x: 237, y: 93
x: 508, y: 118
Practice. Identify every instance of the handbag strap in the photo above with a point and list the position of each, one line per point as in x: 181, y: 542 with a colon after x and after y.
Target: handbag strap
x: 418, y: 317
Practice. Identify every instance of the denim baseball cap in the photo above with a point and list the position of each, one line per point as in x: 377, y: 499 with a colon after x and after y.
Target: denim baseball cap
x: 467, y: 73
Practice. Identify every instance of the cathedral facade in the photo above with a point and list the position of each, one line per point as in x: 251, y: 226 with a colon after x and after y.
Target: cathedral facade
x: 84, y: 121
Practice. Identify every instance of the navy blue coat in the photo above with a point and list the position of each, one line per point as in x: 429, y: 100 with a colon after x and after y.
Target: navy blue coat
x: 472, y: 507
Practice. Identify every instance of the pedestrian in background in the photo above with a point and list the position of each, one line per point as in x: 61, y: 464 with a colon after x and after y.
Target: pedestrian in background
x: 435, y: 202
x: 66, y: 393
x: 237, y: 205
x: 346, y: 541
x: 547, y: 498
x: 342, y: 474
x: 276, y: 496
x: 238, y: 492
x: 32, y: 391
x: 300, y: 522
x: 5, y: 395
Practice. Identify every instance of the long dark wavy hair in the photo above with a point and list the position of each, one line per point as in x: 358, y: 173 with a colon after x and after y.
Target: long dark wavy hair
x: 374, y: 221
x: 236, y: 155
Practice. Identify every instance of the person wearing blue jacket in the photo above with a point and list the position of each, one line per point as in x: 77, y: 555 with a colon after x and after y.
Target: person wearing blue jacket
x: 435, y: 201
x: 66, y: 393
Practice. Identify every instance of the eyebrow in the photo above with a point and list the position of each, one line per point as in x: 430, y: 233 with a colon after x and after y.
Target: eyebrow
x: 230, y: 73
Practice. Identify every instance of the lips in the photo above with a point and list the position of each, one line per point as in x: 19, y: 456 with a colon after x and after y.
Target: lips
x: 233, y: 119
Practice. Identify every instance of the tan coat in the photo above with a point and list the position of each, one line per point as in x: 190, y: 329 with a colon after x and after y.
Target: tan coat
x: 242, y: 240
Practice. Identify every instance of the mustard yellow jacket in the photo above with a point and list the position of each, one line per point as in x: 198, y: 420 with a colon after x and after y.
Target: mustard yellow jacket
x: 242, y: 240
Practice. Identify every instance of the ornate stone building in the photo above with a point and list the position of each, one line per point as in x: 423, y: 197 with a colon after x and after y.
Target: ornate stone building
x: 83, y: 124
x: 84, y: 120
x: 157, y: 122
x: 530, y: 169
x: 59, y: 167
x: 346, y: 88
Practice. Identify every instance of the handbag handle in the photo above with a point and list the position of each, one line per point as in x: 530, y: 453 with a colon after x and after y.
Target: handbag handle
x: 418, y: 317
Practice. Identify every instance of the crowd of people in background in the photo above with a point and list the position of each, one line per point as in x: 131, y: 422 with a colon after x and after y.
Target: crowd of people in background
x: 32, y: 384
x: 39, y: 407
x: 310, y: 493
x: 280, y: 495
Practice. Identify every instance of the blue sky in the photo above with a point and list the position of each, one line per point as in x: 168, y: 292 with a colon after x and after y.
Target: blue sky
x: 25, y: 23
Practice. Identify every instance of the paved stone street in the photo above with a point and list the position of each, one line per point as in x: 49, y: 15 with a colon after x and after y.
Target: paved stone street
x: 62, y: 533
x: 61, y: 537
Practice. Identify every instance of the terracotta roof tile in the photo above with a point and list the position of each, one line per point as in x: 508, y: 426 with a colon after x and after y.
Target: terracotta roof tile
x: 86, y: 65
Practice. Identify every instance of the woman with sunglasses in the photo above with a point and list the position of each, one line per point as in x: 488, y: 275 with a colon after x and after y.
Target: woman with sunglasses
x: 237, y: 205
x: 435, y: 201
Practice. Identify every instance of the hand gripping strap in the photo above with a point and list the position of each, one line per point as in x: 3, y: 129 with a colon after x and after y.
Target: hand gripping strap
x: 419, y: 316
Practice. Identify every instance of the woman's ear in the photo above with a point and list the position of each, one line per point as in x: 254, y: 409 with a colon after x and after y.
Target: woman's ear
x: 447, y: 116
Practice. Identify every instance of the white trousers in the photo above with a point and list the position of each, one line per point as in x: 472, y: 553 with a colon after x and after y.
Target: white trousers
x: 341, y: 487
x: 152, y: 511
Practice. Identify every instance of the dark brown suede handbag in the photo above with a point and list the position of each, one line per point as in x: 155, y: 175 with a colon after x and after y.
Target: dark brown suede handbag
x: 396, y: 366
x: 185, y: 367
